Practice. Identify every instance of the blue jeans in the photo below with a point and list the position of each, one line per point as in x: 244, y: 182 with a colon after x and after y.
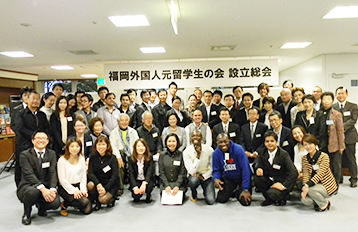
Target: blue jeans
x: 207, y: 185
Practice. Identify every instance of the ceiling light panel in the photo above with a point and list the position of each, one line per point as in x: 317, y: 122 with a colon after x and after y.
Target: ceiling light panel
x: 89, y: 75
x: 62, y: 67
x: 129, y: 21
x: 152, y: 50
x: 340, y: 12
x: 293, y: 45
x: 16, y: 54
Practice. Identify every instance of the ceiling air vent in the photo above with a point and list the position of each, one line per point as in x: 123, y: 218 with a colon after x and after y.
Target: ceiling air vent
x: 223, y: 48
x: 83, y: 52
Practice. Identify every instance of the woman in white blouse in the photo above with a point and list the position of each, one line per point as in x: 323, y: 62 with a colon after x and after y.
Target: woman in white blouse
x: 299, y: 151
x: 72, y: 176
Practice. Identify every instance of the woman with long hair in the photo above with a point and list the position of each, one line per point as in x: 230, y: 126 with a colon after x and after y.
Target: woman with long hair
x: 47, y: 101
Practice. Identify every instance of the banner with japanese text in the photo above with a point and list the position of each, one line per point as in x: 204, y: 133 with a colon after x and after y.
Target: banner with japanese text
x: 192, y: 74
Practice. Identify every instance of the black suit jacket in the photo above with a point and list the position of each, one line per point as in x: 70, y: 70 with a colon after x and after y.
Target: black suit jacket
x: 33, y: 174
x: 315, y: 127
x: 234, y: 132
x: 138, y: 115
x: 282, y: 169
x: 159, y: 115
x: 257, y: 142
x: 55, y: 125
x: 241, y: 117
x: 183, y: 123
x: 14, y: 113
x: 213, y: 118
x: 133, y: 172
x: 286, y: 117
x: 286, y: 141
x: 350, y: 115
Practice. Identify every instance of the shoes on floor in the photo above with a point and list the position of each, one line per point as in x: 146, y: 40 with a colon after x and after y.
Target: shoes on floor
x: 193, y: 199
x: 327, y: 207
x: 63, y: 210
x: 353, y: 185
x: 26, y: 220
x: 267, y: 202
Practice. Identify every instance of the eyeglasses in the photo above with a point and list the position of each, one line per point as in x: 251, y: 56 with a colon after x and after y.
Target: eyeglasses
x: 41, y: 138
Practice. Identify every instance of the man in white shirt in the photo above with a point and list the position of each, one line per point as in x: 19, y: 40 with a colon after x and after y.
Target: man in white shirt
x: 198, y: 125
x: 317, y: 93
x: 109, y: 113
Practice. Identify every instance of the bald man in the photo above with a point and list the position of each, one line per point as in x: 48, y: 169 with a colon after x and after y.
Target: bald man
x: 285, y: 107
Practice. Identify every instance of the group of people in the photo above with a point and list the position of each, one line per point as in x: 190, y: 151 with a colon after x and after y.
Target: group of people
x: 86, y: 153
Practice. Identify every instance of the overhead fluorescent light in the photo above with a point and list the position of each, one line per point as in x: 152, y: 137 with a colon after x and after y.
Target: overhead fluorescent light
x: 62, y: 67
x: 89, y: 75
x: 16, y: 54
x: 340, y: 12
x: 152, y: 50
x: 129, y: 21
x: 223, y: 48
x: 293, y: 45
x: 174, y: 11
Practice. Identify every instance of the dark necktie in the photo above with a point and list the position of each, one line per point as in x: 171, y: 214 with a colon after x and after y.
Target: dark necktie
x: 342, y: 107
x: 252, y: 131
x: 40, y: 157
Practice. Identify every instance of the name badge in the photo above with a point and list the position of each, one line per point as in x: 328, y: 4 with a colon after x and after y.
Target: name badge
x: 329, y: 122
x: 312, y: 120
x: 232, y: 134
x: 70, y: 119
x: 213, y: 112
x: 89, y: 143
x: 229, y: 167
x: 315, y: 167
x: 258, y: 135
x: 276, y: 166
x: 155, y: 135
x: 227, y: 156
x: 106, y: 169
x: 230, y: 119
x: 46, y: 165
x: 285, y: 143
x: 176, y: 163
x: 347, y: 113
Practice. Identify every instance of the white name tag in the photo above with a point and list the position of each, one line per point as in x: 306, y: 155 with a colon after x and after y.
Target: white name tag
x: 230, y: 119
x: 176, y: 163
x: 46, y: 165
x: 213, y: 112
x: 227, y: 156
x: 285, y: 143
x: 329, y: 122
x: 258, y: 135
x: 347, y: 113
x: 155, y: 135
x: 276, y: 166
x: 70, y: 119
x: 232, y: 134
x: 89, y: 143
x: 312, y: 120
x: 230, y: 167
x: 106, y: 169
x: 315, y: 167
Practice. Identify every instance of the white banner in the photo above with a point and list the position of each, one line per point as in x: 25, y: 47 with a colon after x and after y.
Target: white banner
x: 191, y: 74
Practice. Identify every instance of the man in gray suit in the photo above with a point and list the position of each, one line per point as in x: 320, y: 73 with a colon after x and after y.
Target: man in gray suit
x: 350, y: 113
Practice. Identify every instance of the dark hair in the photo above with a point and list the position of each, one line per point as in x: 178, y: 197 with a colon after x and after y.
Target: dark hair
x: 310, y: 97
x: 341, y: 87
x: 38, y: 131
x: 173, y: 83
x: 110, y: 94
x: 275, y: 113
x: 218, y: 92
x: 192, y: 95
x: 26, y: 90
x: 45, y: 96
x: 144, y: 91
x: 68, y: 143
x: 238, y: 86
x: 131, y: 91
x: 176, y: 116
x: 124, y: 95
x: 152, y: 90
x: 298, y: 89
x: 72, y: 97
x: 248, y: 95
x: 176, y: 98
x: 269, y: 99
x: 283, y: 84
x: 177, y: 139
x: 79, y: 120
x: 253, y: 108
x: 224, y: 109
x: 263, y: 85
x: 88, y: 96
x: 271, y: 133
x: 102, y: 88
x: 103, y: 138
x: 57, y: 108
x: 162, y: 90
x: 327, y: 94
x: 93, y: 121
x: 299, y: 127
x: 230, y: 95
x: 310, y: 138
x: 58, y: 85
x: 208, y: 91
x: 78, y: 92
x: 147, y: 154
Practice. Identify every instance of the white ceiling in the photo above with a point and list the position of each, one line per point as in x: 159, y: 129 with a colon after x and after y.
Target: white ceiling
x: 256, y: 27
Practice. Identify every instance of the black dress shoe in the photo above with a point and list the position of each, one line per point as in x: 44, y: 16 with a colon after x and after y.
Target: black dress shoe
x: 353, y: 185
x: 267, y: 202
x: 42, y: 213
x: 26, y: 220
x: 97, y: 206
x: 111, y: 204
x: 280, y: 202
x: 327, y: 207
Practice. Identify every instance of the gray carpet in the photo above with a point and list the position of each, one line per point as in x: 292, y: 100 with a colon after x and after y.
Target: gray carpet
x: 127, y: 216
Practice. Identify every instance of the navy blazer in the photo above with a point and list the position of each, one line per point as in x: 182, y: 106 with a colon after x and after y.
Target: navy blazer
x: 241, y: 117
x: 233, y: 132
x: 258, y: 140
x: 286, y: 141
x: 133, y: 172
x: 286, y: 117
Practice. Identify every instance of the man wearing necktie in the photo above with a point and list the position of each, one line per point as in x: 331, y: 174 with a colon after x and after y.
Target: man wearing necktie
x: 145, y: 95
x: 227, y: 127
x: 39, y: 178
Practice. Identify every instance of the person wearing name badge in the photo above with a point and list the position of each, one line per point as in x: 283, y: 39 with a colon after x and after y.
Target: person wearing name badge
x: 227, y: 127
x: 86, y: 113
x: 86, y: 140
x: 61, y: 124
x: 197, y: 124
x: 145, y: 95
x: 141, y: 170
x: 332, y: 139
x: 72, y: 176
x: 217, y: 96
x: 209, y: 110
x: 172, y: 119
x: 252, y: 135
x: 231, y: 171
x: 184, y: 118
x: 39, y: 182
x: 269, y: 105
x: 318, y: 180
x: 242, y: 115
x: 229, y: 101
x: 96, y: 128
x: 285, y: 106
x: 103, y: 175
x: 172, y: 170
x: 285, y: 140
x: 197, y: 159
x: 275, y: 172
x: 109, y: 113
x: 298, y: 94
x: 349, y: 111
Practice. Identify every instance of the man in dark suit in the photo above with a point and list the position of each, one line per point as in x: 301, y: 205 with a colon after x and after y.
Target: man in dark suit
x: 132, y: 96
x: 209, y: 110
x: 285, y: 107
x: 160, y: 110
x: 285, y: 139
x: 145, y: 95
x: 227, y: 127
x: 217, y: 96
x: 252, y: 135
x: 242, y: 115
x: 229, y: 101
x: 238, y: 91
x: 126, y: 109
x: 350, y: 113
x: 39, y: 178
x: 275, y: 174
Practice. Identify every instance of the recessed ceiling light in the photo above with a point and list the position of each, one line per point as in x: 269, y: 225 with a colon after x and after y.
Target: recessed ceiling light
x: 292, y: 45
x: 16, y: 54
x: 89, y: 75
x: 129, y: 21
x: 340, y: 12
x: 62, y: 67
x: 223, y: 48
x: 152, y: 50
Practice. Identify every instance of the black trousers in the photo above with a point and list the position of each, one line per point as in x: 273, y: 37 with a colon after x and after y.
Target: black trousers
x: 231, y: 187
x: 84, y: 204
x: 264, y: 183
x: 148, y: 190
x: 336, y: 165
x: 350, y: 155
